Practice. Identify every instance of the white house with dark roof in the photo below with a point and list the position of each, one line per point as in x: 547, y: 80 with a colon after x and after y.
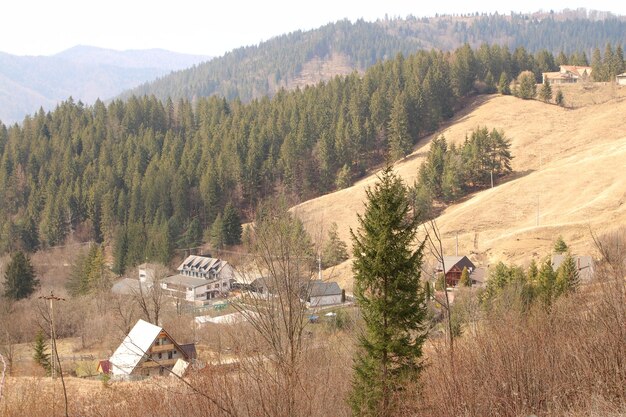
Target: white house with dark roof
x: 147, y: 350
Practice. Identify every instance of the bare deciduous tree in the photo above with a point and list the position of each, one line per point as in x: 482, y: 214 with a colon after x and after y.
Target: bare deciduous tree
x: 278, y: 314
x: 150, y: 298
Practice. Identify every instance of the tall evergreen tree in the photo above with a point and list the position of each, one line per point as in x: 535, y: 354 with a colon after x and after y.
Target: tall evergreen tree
x: 558, y: 98
x: 232, y: 225
x: 19, y: 278
x: 400, y: 141
x: 567, y: 276
x: 216, y: 233
x: 465, y: 280
x: 527, y: 88
x: 390, y: 295
x: 503, y: 85
x: 545, y: 93
x: 335, y: 250
x: 560, y: 246
x: 546, y: 283
x: 40, y: 356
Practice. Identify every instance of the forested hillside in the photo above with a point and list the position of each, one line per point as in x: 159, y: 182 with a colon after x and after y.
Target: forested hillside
x: 255, y: 71
x: 148, y: 177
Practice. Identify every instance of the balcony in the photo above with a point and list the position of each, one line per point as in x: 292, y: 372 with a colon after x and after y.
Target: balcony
x: 159, y: 362
x: 162, y: 348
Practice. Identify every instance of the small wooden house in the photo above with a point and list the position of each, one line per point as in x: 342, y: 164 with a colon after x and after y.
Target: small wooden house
x: 621, y: 79
x: 147, y: 350
x: 453, y: 268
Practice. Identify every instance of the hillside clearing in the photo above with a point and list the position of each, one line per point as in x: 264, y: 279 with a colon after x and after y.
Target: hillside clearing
x: 568, y: 178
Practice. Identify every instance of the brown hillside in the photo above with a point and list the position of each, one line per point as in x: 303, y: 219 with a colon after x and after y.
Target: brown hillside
x: 570, y: 175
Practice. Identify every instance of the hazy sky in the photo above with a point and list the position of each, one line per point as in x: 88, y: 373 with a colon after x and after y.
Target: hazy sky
x: 209, y: 27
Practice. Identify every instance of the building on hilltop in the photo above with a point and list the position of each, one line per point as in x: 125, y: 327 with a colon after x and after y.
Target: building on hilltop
x: 148, y: 350
x: 568, y: 74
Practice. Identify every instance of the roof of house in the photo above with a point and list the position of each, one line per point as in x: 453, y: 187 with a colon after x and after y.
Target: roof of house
x: 479, y: 275
x: 452, y: 261
x: 577, y: 69
x: 133, y: 348
x: 128, y: 286
x: 243, y: 277
x: 622, y: 75
x: 319, y: 288
x: 201, y: 264
x: 186, y: 281
x: 190, y: 350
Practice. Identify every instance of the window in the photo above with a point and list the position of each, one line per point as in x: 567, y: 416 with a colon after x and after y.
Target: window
x: 170, y: 355
x: 160, y: 355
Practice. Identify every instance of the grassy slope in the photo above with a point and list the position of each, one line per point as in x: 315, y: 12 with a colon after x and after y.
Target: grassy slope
x: 570, y: 162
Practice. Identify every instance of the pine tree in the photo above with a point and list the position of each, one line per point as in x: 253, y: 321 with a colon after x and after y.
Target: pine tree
x: 400, y: 142
x: 389, y: 292
x: 533, y: 272
x: 546, y: 283
x: 597, y: 66
x: 19, y: 278
x: 217, y: 233
x: 40, y: 356
x: 560, y: 246
x: 567, y: 276
x: 427, y: 291
x: 232, y: 225
x: 545, y: 93
x: 465, y: 280
x: 527, y: 86
x: 558, y: 98
x: 335, y: 250
x: 503, y: 85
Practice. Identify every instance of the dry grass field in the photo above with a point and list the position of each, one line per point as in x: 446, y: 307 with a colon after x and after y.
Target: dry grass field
x: 568, y: 164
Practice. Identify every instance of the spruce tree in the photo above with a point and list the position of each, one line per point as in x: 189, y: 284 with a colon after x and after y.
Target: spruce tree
x: 559, y: 99
x: 232, y: 225
x: 217, y: 233
x: 400, y: 141
x: 533, y: 272
x: 546, y: 283
x: 545, y: 93
x: 335, y: 250
x: 560, y: 246
x: 567, y: 276
x: 527, y: 86
x: 388, y: 289
x: 19, y: 278
x: 503, y: 85
x: 40, y: 356
x: 465, y: 280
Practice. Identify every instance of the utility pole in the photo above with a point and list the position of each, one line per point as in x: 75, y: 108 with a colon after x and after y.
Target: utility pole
x: 55, y: 353
x: 457, y: 241
x: 319, y: 265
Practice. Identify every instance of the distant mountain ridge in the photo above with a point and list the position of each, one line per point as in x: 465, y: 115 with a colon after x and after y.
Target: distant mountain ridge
x: 82, y: 72
x: 255, y: 71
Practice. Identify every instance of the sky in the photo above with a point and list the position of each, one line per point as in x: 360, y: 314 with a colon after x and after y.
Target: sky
x: 209, y: 27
